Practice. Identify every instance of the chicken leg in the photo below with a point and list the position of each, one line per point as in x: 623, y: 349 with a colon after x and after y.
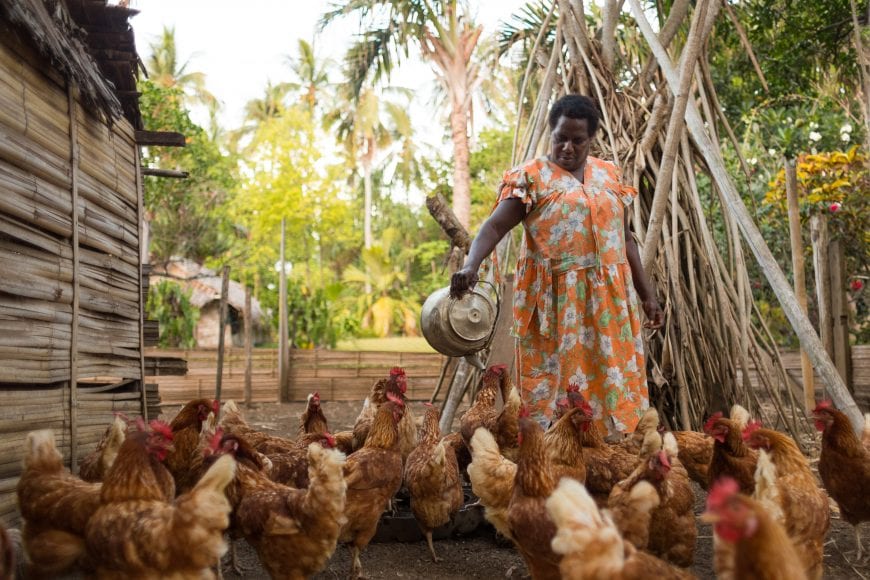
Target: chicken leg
x: 435, y: 558
x: 860, y: 549
x: 355, y: 565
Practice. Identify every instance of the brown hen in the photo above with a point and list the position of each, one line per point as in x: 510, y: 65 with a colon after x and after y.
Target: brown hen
x: 96, y: 465
x: 731, y: 456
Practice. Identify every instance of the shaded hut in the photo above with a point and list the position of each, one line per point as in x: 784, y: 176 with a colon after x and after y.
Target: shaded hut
x: 204, y: 287
x: 70, y: 206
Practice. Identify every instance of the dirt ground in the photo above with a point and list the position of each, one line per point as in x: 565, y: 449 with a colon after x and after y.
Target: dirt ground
x: 479, y: 553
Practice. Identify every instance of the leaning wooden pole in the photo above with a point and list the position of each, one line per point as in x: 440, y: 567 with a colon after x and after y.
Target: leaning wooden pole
x: 800, y: 281
x: 222, y: 328
x: 283, y: 357
x: 74, y: 240
x: 676, y: 126
x: 778, y: 282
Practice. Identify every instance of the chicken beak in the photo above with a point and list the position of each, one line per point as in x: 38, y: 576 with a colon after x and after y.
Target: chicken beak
x: 709, y: 517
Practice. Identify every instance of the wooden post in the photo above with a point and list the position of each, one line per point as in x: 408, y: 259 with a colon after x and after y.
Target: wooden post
x: 74, y: 331
x: 712, y: 156
x: 222, y: 326
x: 840, y: 312
x: 249, y: 346
x: 282, y: 319
x: 797, y: 266
x: 819, y: 234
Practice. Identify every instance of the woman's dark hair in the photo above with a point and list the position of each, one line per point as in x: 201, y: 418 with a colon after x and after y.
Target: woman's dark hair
x: 575, y: 107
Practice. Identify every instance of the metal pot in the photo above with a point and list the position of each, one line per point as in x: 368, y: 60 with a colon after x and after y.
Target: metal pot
x: 459, y: 327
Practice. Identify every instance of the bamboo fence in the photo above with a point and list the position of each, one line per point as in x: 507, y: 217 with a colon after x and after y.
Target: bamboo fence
x: 336, y: 375
x: 70, y: 299
x: 713, y: 334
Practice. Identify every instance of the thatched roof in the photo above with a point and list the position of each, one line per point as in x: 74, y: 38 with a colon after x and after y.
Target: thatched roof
x: 89, y: 42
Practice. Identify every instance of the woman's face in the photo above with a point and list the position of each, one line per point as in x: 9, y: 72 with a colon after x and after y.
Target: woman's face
x: 570, y: 143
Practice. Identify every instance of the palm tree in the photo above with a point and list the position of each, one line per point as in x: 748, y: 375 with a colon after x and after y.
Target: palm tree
x: 257, y: 111
x: 164, y: 69
x: 446, y: 37
x: 312, y: 73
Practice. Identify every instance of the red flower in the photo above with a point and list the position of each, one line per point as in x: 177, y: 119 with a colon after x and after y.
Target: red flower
x: 835, y: 207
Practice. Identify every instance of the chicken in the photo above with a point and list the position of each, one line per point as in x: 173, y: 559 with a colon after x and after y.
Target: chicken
x: 672, y: 532
x: 313, y: 420
x: 696, y: 453
x: 432, y: 479
x: 648, y: 422
x: 865, y: 434
x: 140, y: 532
x: 294, y: 531
x: 291, y: 467
x: 484, y: 411
x: 731, y: 457
x: 591, y: 545
x: 186, y: 430
x: 397, y: 384
x: 55, y: 506
x: 96, y: 465
x: 492, y: 479
x: 530, y: 526
x: 606, y: 465
x: 564, y: 444
x: 507, y: 425
x: 460, y: 449
x: 844, y: 466
x: 233, y: 422
x: 7, y: 556
x: 805, y: 514
x: 373, y: 475
x: 760, y: 547
x: 631, y: 511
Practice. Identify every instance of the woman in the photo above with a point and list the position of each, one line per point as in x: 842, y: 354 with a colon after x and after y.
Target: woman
x: 575, y: 312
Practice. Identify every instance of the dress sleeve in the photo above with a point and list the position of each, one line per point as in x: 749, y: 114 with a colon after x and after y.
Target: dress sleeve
x: 627, y: 194
x: 518, y: 184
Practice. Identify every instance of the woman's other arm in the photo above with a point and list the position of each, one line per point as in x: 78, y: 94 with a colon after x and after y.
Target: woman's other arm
x: 649, y: 302
x: 508, y: 213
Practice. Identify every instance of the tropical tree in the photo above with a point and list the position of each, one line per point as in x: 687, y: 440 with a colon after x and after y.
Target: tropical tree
x: 166, y: 70
x: 445, y: 34
x: 311, y: 73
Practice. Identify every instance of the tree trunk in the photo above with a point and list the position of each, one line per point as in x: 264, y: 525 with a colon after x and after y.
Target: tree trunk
x: 805, y: 331
x: 461, y: 170
x: 367, y: 213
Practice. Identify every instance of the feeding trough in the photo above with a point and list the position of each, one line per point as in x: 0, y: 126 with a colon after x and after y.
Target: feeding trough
x: 401, y: 526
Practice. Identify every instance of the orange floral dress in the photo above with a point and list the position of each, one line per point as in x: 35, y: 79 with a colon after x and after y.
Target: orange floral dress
x: 576, y: 314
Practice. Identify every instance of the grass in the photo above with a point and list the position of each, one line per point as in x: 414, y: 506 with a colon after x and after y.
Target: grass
x: 388, y: 344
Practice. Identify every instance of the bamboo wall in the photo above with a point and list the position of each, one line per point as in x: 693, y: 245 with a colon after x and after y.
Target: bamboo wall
x: 336, y: 375
x: 69, y: 266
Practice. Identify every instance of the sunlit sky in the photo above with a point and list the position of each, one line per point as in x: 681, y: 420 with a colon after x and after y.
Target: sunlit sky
x: 241, y: 45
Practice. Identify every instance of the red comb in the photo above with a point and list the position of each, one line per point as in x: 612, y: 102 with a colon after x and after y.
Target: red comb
x: 751, y: 428
x: 498, y: 369
x: 428, y: 404
x: 824, y: 404
x: 329, y: 439
x: 573, y: 388
x: 395, y: 399
x: 215, y: 442
x: 713, y: 418
x: 315, y: 395
x: 722, y: 490
x: 525, y: 411
x: 397, y: 372
x: 587, y: 408
x: 159, y: 426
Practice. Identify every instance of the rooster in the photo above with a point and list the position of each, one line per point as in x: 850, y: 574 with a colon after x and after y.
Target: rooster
x: 294, y: 531
x: 492, y: 479
x: 96, y: 465
x: 802, y: 505
x: 760, y: 547
x: 186, y: 429
x: 844, y: 466
x: 140, y: 532
x: 530, y: 527
x: 432, y: 479
x: 373, y: 475
x: 590, y: 544
x: 55, y: 506
x: 731, y: 456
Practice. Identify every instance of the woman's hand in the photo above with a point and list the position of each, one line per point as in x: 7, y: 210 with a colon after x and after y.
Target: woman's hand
x: 655, y: 318
x: 462, y: 282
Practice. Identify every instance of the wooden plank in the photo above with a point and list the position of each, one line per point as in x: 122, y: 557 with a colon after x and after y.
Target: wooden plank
x: 160, y: 138
x: 167, y: 173
x: 840, y: 312
x: 74, y: 324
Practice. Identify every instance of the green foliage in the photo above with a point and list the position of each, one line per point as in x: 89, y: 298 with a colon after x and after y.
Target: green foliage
x: 187, y: 216
x: 490, y: 158
x: 169, y: 304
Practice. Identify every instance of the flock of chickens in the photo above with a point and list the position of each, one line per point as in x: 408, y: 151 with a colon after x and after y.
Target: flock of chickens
x: 156, y: 500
